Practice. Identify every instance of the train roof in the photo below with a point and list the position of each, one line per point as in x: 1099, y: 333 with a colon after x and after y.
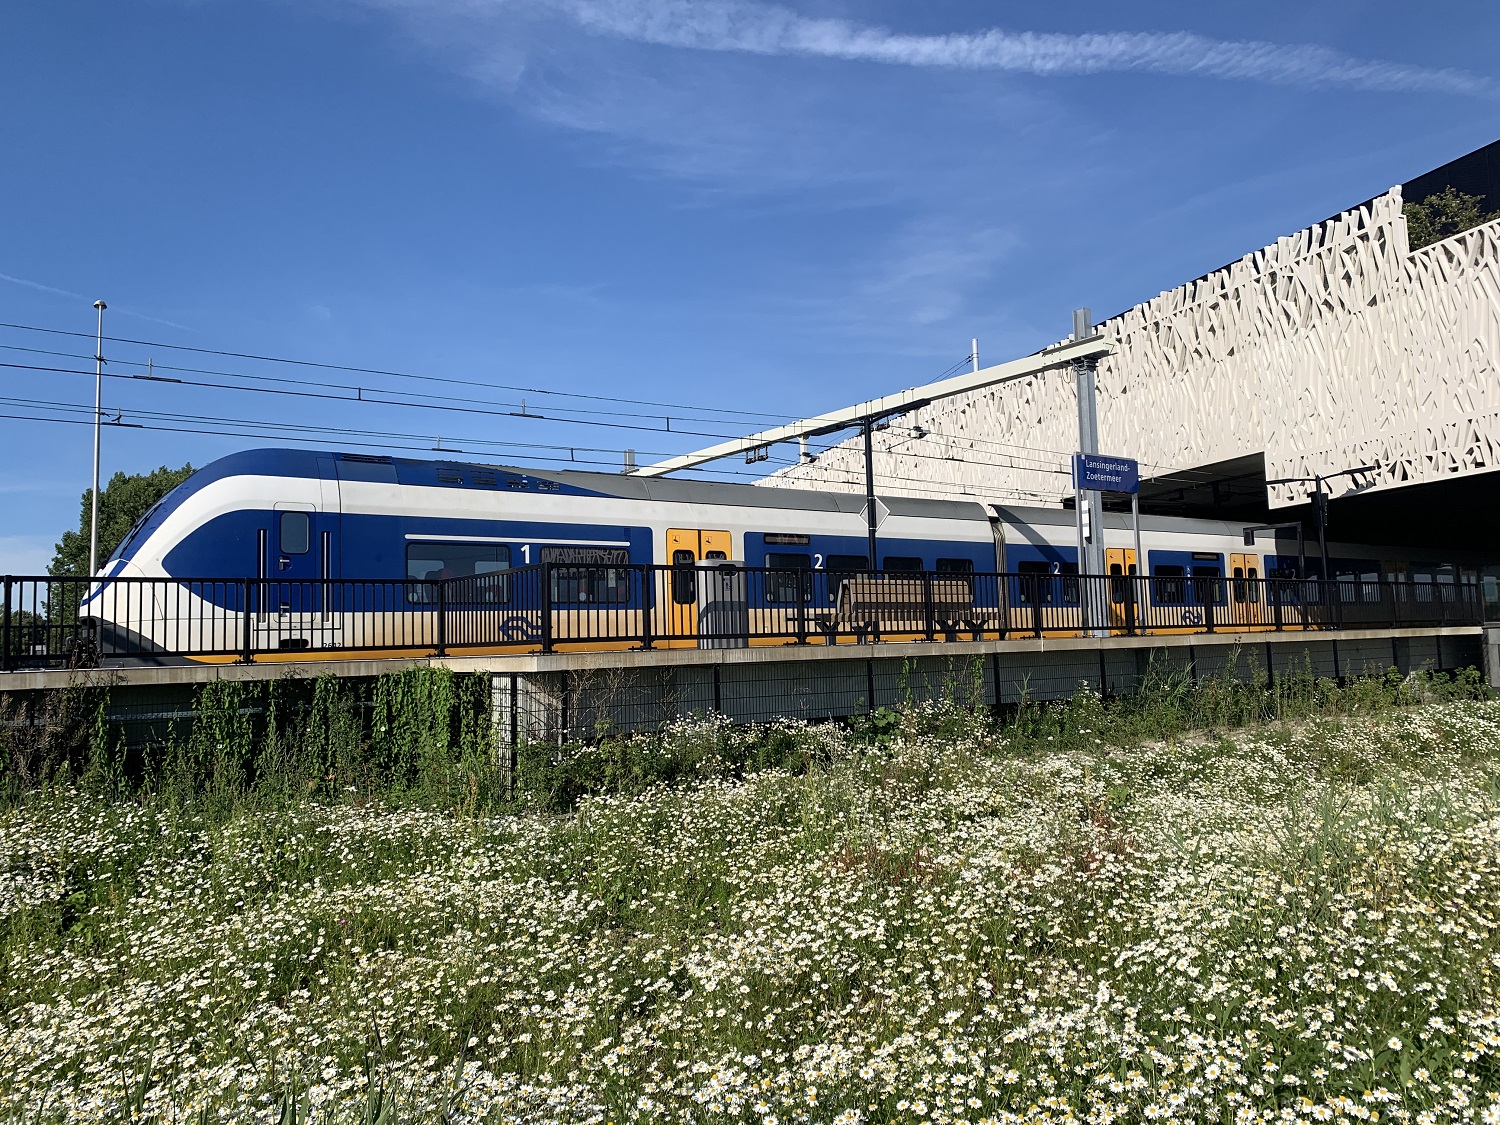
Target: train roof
x: 489, y: 477
x: 577, y: 482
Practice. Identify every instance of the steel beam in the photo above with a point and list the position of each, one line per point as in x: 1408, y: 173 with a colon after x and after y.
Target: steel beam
x: 1060, y: 356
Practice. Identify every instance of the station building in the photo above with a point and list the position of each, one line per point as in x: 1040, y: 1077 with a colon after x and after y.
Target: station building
x: 1336, y: 347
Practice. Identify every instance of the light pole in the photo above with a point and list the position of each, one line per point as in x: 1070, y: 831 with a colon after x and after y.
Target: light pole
x: 1320, y: 505
x: 98, y: 415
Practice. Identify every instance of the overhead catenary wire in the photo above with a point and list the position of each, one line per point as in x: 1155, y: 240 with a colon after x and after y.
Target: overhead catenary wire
x: 355, y: 369
x: 453, y: 408
x: 251, y: 432
x: 402, y: 398
x: 387, y: 397
x: 683, y: 414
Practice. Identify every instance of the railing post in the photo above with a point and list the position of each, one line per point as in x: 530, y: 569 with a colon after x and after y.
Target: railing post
x: 1036, y: 612
x: 247, y: 637
x: 6, y: 659
x: 442, y: 619
x: 646, y: 600
x: 928, y: 614
x: 1210, y: 604
x: 546, y: 599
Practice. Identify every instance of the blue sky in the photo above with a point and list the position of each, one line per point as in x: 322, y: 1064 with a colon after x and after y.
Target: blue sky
x: 777, y: 209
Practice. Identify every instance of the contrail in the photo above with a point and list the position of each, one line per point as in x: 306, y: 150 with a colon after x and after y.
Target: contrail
x: 765, y: 29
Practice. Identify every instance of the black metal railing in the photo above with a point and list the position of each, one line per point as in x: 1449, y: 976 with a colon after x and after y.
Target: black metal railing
x: 60, y: 622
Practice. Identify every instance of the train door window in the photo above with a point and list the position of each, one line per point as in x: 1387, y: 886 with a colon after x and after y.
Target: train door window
x: 1207, y: 587
x: 901, y: 564
x: 787, y: 578
x: 715, y: 556
x: 295, y: 533
x: 1237, y: 585
x: 684, y: 577
x: 1169, y: 587
x: 1252, y: 587
x: 1117, y: 583
x: 957, y: 568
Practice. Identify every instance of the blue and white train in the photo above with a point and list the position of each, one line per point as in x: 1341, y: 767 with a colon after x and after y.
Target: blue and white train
x: 291, y: 519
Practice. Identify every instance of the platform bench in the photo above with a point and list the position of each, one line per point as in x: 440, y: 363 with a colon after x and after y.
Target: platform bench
x: 872, y: 605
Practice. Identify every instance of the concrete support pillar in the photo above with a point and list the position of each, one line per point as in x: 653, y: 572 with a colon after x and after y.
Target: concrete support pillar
x: 1492, y: 655
x: 527, y: 708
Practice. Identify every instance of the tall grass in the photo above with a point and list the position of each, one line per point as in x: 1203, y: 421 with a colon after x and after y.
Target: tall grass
x: 424, y: 737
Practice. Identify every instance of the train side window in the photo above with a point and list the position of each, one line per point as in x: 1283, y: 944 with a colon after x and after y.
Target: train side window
x: 788, y: 577
x: 1070, y: 583
x: 482, y: 567
x: 1032, y: 586
x: 1208, y: 589
x: 901, y: 564
x: 684, y: 577
x: 1169, y: 587
x: 840, y: 567
x: 957, y: 568
x: 296, y: 533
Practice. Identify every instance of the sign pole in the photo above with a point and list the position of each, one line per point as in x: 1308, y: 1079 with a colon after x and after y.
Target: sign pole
x: 1091, y: 520
x: 870, y: 515
x: 1078, y: 503
x: 1135, y: 524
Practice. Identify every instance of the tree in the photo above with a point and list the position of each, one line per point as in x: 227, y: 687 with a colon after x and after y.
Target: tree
x: 124, y: 500
x: 1443, y: 215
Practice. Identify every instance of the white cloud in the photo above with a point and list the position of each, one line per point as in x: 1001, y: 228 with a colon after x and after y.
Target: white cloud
x: 37, y: 285
x: 767, y: 29
x: 925, y: 275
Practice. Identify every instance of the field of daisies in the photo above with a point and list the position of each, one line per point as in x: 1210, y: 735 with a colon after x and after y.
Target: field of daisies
x: 945, y: 920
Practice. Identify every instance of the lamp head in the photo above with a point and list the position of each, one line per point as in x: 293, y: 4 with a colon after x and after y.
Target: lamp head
x: 100, y: 305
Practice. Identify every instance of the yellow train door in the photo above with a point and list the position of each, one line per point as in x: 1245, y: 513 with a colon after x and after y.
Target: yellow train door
x: 1247, y: 607
x: 677, y: 597
x: 1124, y: 595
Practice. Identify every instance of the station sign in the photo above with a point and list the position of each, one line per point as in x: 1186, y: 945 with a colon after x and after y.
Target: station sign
x: 1094, y: 472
